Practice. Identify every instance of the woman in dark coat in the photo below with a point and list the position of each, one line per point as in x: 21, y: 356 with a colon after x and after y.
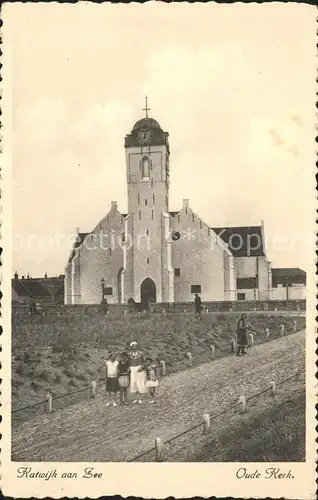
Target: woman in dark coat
x: 241, y: 336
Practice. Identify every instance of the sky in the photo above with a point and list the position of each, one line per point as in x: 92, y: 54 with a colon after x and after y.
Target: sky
x: 234, y: 85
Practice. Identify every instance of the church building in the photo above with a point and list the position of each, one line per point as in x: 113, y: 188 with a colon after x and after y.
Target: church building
x: 150, y: 253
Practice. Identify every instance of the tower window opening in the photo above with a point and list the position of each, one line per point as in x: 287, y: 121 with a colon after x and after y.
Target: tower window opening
x: 186, y: 210
x: 152, y: 214
x: 153, y: 198
x: 178, y: 218
x: 151, y: 183
x: 146, y: 202
x: 147, y: 232
x: 139, y: 215
x: 145, y: 167
x: 138, y: 198
x: 200, y: 224
x: 177, y: 271
x: 148, y: 260
x: 192, y: 217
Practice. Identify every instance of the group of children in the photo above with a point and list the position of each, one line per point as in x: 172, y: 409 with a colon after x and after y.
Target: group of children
x: 130, y: 371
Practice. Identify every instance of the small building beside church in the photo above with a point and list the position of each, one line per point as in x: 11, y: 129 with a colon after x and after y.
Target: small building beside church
x: 150, y: 253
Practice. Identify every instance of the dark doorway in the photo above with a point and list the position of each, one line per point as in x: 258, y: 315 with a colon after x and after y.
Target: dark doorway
x: 147, y: 293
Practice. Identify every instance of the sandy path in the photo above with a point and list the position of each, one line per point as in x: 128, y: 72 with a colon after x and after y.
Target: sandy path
x: 89, y: 431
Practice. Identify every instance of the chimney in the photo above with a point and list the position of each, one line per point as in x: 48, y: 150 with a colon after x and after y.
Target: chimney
x: 28, y: 276
x: 16, y: 276
x: 45, y: 275
x: 185, y: 203
x: 113, y: 205
x: 77, y: 230
x: 22, y: 277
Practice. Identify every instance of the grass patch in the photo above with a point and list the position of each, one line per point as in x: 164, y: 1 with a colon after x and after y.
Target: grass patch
x: 276, y: 434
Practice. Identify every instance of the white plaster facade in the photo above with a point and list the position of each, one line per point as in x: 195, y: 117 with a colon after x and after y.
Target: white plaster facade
x: 151, y: 252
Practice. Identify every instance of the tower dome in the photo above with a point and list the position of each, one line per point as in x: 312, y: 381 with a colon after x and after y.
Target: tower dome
x: 147, y: 124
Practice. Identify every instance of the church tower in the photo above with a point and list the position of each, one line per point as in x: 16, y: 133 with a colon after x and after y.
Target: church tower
x: 147, y: 167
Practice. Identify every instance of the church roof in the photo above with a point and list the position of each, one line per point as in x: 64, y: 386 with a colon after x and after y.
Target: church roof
x: 146, y: 124
x: 79, y: 240
x: 243, y: 241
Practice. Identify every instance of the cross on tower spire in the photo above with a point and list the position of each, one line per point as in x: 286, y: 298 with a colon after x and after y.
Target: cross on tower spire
x: 146, y: 107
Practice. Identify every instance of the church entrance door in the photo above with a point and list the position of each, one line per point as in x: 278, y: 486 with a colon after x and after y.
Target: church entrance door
x: 147, y: 293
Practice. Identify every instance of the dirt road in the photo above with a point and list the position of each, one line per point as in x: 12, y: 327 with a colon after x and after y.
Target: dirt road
x: 89, y: 431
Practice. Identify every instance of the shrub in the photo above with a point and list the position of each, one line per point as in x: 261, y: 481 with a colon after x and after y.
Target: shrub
x: 43, y: 375
x: 68, y: 373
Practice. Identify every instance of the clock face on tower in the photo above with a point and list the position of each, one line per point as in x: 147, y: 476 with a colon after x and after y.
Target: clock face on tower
x: 144, y: 136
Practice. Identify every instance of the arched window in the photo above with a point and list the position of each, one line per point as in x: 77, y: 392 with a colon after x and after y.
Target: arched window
x: 145, y: 167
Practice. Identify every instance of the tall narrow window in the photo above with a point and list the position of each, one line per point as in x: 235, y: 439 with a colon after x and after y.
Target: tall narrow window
x: 138, y: 198
x: 147, y: 232
x: 151, y: 183
x: 153, y: 198
x: 145, y: 167
x: 200, y: 224
x: 152, y: 214
x: 139, y: 215
x: 146, y: 202
x: 192, y: 217
x: 148, y: 260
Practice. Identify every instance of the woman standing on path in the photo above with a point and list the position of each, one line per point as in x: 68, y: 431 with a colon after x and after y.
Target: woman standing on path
x: 241, y: 336
x: 137, y: 373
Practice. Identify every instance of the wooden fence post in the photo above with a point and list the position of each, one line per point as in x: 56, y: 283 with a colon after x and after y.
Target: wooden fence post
x: 233, y: 345
x: 282, y: 328
x: 212, y: 351
x: 189, y: 356
x: 206, y: 423
x: 159, y: 449
x: 272, y: 389
x: 49, y: 402
x: 267, y: 332
x: 251, y: 336
x: 94, y: 388
x: 295, y: 325
x: 163, y: 367
x: 242, y: 401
